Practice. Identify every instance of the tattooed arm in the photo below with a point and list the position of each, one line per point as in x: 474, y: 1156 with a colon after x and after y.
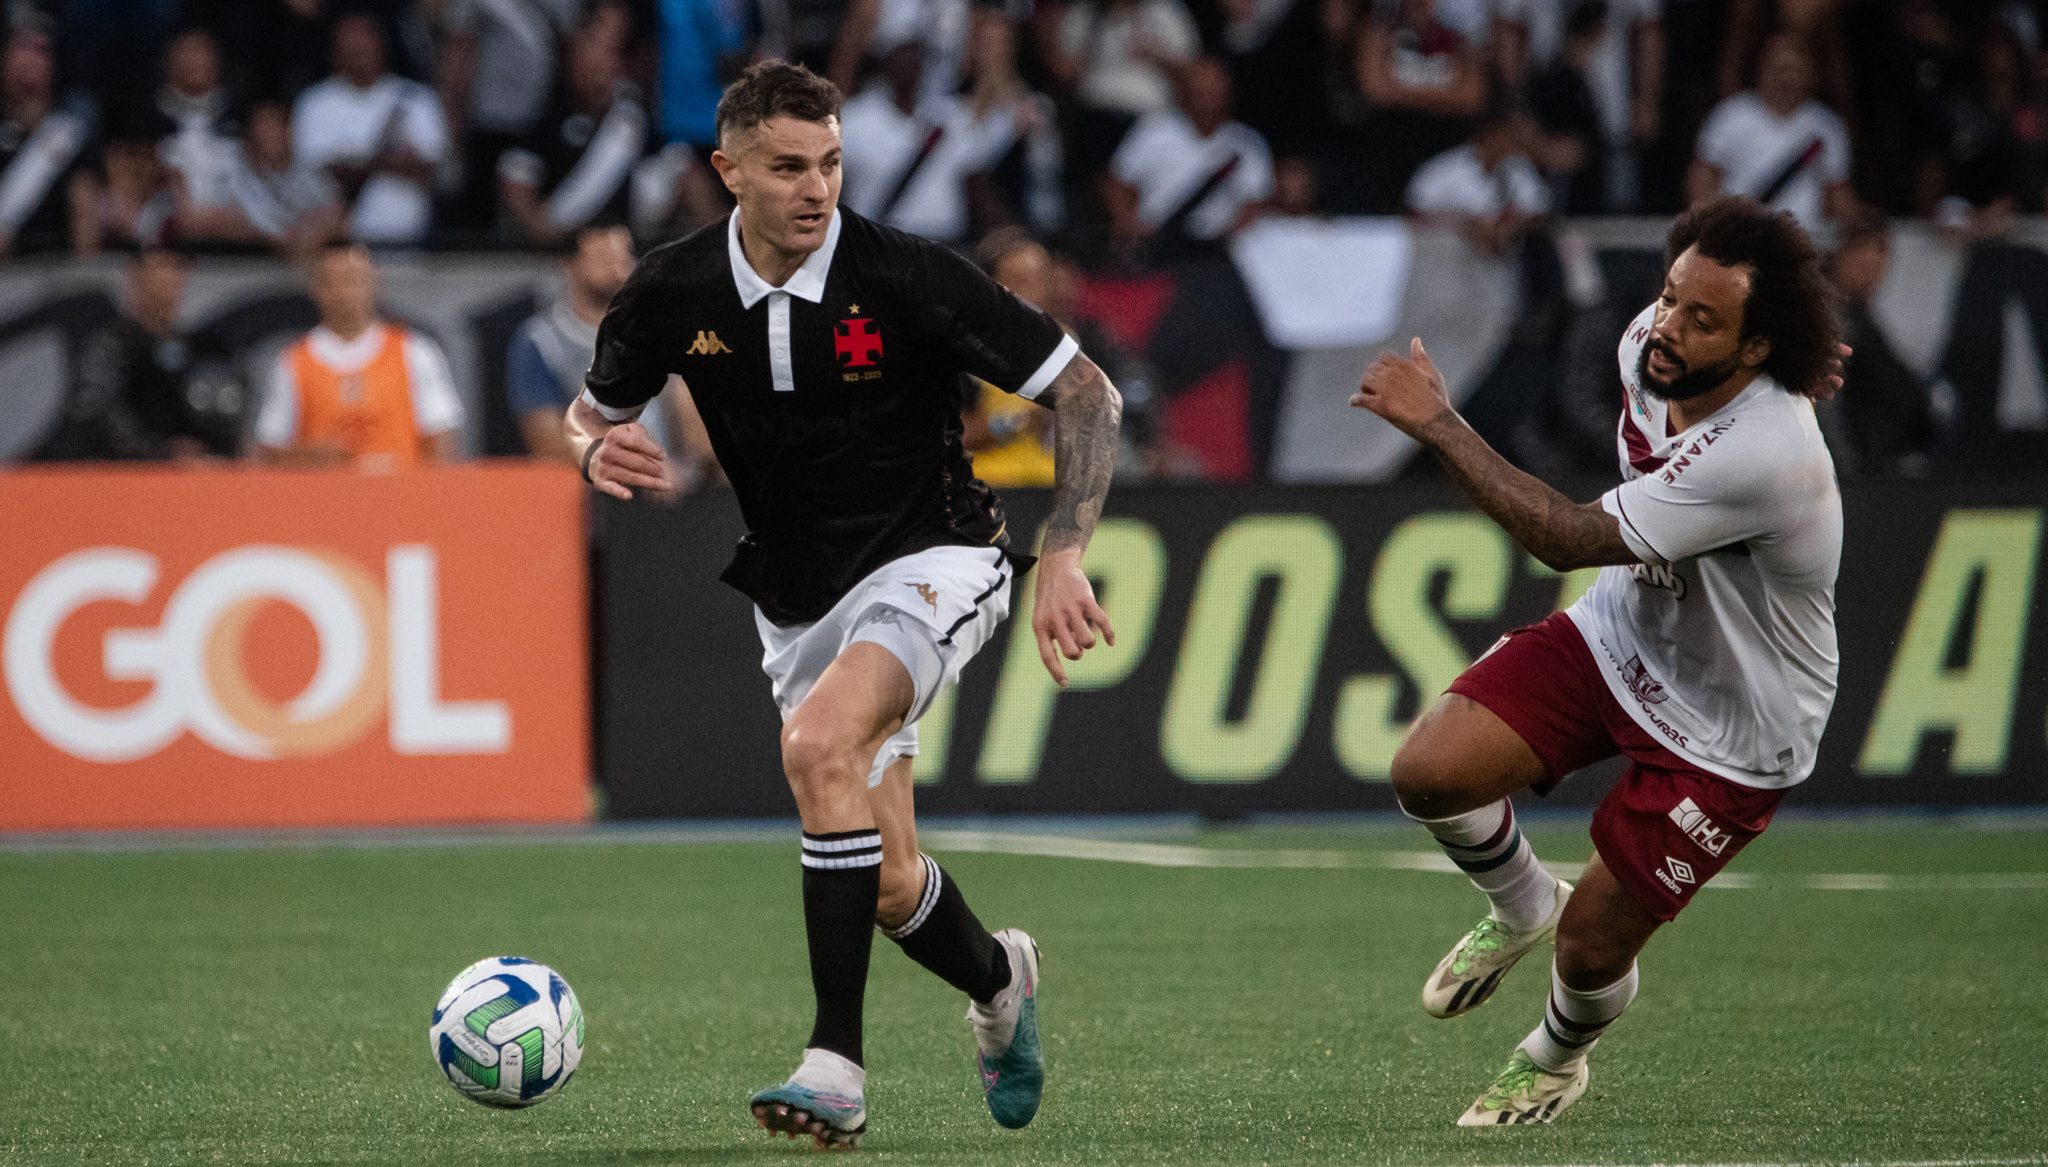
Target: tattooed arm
x: 1065, y: 616
x: 1564, y: 534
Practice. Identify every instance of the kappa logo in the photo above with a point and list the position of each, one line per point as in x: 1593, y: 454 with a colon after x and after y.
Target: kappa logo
x: 1674, y: 873
x: 927, y: 594
x: 707, y: 344
x: 1699, y: 828
x: 1647, y: 689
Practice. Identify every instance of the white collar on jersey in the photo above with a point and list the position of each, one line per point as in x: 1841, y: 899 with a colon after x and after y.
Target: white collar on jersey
x: 809, y: 281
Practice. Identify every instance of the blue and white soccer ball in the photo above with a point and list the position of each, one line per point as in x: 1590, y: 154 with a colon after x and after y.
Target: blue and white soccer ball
x: 508, y: 1032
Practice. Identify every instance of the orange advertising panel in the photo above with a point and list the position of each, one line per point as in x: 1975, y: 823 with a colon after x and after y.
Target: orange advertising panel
x: 244, y: 648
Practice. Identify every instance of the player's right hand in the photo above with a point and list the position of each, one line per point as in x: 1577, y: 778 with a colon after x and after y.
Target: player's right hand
x: 628, y: 458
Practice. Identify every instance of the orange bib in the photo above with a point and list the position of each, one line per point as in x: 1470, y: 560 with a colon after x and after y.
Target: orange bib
x: 367, y: 412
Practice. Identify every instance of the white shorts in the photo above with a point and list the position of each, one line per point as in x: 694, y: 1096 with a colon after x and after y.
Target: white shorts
x: 933, y: 610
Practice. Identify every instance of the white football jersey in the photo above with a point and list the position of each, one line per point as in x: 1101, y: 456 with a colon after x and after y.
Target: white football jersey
x: 1721, y: 642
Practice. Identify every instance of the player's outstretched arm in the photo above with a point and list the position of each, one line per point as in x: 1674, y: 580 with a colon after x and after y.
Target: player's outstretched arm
x: 616, y: 458
x: 1065, y: 616
x: 1565, y: 535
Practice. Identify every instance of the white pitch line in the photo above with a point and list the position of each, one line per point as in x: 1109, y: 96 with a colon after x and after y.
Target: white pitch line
x: 2031, y: 1161
x: 1182, y: 856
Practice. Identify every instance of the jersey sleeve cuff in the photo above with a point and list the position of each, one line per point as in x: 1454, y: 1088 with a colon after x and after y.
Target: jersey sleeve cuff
x: 1639, y: 546
x: 615, y: 416
x: 1062, y: 353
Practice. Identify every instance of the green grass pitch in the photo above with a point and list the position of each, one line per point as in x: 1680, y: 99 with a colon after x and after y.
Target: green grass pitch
x: 270, y: 1006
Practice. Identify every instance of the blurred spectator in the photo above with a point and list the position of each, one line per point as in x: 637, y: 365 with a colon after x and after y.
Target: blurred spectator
x: 909, y: 154
x: 551, y: 351
x: 1424, y: 84
x: 378, y: 134
x: 109, y: 47
x: 1572, y: 149
x: 1024, y: 184
x: 1115, y: 59
x: 1777, y: 145
x: 1010, y: 438
x: 1622, y: 67
x: 295, y: 207
x: 139, y: 381
x: 941, y: 27
x: 1884, y: 408
x: 579, y: 164
x: 1273, y: 48
x: 1995, y: 135
x: 1189, y: 174
x: 356, y: 391
x: 497, y: 68
x: 137, y: 203
x: 1487, y: 188
x: 702, y: 44
x: 47, y: 196
x: 197, y: 138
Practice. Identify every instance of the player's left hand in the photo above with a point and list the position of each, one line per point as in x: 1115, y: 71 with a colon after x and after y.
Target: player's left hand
x: 1064, y: 614
x: 1407, y: 391
x: 1835, y: 370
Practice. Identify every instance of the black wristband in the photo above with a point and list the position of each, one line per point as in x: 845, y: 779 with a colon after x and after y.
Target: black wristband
x: 590, y: 452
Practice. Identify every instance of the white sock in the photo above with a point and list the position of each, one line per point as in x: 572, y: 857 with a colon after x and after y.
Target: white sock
x: 828, y: 1073
x: 1573, y: 1021
x: 1488, y: 846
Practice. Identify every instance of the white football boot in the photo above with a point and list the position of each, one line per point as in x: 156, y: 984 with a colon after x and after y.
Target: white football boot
x: 1473, y: 969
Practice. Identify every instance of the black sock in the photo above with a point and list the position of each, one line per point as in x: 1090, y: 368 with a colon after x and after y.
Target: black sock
x: 943, y: 935
x: 842, y: 880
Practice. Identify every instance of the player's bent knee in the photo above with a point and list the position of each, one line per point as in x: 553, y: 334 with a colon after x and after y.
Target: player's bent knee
x: 820, y: 759
x: 1424, y: 782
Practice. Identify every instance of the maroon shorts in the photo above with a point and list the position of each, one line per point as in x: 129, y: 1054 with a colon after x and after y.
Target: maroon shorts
x: 1668, y: 826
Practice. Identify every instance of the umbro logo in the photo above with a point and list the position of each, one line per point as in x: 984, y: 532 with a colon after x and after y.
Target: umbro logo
x: 1699, y: 828
x: 707, y: 344
x: 1676, y: 874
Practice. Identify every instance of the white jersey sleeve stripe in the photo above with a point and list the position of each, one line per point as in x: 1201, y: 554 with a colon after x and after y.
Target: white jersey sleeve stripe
x: 1067, y: 349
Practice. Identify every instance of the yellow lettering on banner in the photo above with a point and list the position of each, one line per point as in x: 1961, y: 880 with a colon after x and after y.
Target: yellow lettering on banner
x: 1196, y: 737
x: 1974, y: 699
x: 1127, y: 563
x: 1476, y: 557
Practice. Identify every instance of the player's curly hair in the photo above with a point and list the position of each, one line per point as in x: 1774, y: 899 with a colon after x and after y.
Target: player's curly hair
x: 1791, y: 298
x: 771, y: 89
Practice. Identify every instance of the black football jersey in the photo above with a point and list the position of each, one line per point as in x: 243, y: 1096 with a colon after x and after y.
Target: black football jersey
x: 831, y: 402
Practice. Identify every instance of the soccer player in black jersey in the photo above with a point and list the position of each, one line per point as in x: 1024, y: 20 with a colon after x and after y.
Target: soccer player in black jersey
x: 824, y: 351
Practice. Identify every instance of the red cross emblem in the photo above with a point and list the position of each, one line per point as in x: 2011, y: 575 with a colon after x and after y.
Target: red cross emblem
x: 857, y: 342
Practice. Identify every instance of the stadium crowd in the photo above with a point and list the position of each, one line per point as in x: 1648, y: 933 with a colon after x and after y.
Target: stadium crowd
x: 1054, y: 137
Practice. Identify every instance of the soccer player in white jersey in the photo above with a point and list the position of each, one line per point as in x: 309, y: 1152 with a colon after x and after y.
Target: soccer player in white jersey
x: 1704, y: 654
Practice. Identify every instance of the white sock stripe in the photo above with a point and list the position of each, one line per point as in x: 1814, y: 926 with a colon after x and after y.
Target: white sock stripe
x: 851, y: 843
x: 925, y: 902
x: 933, y: 879
x: 844, y: 861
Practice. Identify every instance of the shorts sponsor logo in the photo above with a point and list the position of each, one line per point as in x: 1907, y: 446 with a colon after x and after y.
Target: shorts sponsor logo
x: 1647, y: 689
x: 1676, y: 874
x: 927, y: 594
x: 1699, y: 828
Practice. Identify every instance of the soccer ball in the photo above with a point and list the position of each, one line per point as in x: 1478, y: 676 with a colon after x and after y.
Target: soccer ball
x: 508, y: 1032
